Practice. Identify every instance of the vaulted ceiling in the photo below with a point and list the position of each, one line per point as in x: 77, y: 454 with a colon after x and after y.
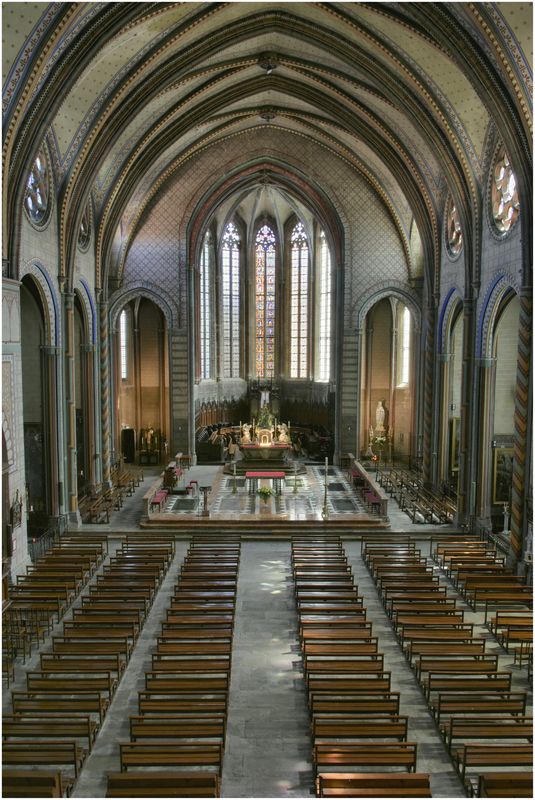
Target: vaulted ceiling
x: 411, y: 94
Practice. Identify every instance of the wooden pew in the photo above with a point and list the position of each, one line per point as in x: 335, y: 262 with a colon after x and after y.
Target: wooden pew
x: 373, y: 784
x: 505, y: 784
x: 365, y: 754
x: 371, y: 727
x: 57, y: 727
x: 34, y: 783
x: 480, y: 728
x: 160, y: 783
x: 491, y: 755
x: 33, y: 752
x: 177, y: 727
x: 351, y: 704
x: 171, y: 755
x: 449, y: 703
x: 58, y: 702
x: 493, y: 682
x: 96, y: 682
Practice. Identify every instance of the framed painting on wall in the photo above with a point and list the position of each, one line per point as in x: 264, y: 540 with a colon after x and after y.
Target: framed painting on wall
x: 502, y: 475
x: 455, y: 442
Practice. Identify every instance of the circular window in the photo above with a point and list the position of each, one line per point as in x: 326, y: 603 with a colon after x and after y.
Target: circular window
x: 454, y: 236
x: 84, y: 234
x: 505, y: 205
x: 37, y: 190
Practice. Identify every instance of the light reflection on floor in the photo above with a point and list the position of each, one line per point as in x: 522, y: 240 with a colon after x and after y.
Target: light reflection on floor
x: 310, y: 501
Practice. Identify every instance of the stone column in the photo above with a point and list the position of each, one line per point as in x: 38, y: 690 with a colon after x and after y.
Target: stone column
x: 105, y: 392
x: 428, y: 393
x: 487, y: 378
x: 70, y: 399
x: 522, y: 434
x: 444, y: 360
x: 52, y: 367
x: 466, y: 498
x: 88, y: 351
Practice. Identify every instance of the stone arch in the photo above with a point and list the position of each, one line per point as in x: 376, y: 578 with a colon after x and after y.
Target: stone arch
x: 501, y: 286
x: 387, y: 290
x: 49, y: 300
x: 88, y: 305
x: 151, y: 292
x: 450, y: 305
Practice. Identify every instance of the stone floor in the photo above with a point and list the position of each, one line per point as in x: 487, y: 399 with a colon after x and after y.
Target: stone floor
x: 268, y: 749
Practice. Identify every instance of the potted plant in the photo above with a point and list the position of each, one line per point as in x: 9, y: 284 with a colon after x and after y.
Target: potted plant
x: 265, y: 493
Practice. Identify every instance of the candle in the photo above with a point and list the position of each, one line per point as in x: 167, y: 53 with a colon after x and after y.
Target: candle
x: 234, y: 465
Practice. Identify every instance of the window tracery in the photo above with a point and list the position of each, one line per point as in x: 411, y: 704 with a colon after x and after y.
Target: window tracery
x: 37, y: 190
x: 299, y: 302
x: 505, y: 203
x: 205, y: 309
x: 230, y: 273
x: 454, y: 234
x: 325, y: 299
x: 265, y: 254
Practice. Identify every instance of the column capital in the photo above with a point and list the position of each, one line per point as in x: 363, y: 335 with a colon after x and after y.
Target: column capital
x: 486, y: 362
x: 51, y: 350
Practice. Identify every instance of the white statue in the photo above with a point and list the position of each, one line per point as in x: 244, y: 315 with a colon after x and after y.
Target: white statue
x: 380, y: 416
x: 284, y: 436
x: 246, y: 432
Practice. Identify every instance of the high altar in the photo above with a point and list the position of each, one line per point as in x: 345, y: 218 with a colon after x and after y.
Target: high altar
x: 265, y: 443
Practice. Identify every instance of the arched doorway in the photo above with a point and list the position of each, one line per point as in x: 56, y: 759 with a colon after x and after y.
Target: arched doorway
x: 37, y: 431
x: 142, y: 383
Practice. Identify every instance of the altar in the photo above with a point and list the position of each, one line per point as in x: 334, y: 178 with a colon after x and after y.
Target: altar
x: 265, y: 443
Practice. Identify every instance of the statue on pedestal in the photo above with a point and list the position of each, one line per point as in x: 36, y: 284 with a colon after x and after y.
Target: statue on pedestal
x: 246, y: 432
x: 380, y: 417
x: 284, y: 436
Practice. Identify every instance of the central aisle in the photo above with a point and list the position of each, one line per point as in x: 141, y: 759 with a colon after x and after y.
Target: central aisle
x: 267, y: 752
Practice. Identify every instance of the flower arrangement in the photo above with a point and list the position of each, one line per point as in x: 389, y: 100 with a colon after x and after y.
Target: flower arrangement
x: 265, y: 493
x: 379, y: 442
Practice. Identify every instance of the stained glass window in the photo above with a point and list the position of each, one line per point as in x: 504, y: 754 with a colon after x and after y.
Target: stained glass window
x: 324, y: 339
x: 265, y: 302
x: 205, y: 315
x: 37, y: 190
x: 299, y: 303
x: 123, y: 343
x: 505, y: 203
x: 404, y: 347
x: 84, y: 234
x: 454, y: 235
x: 230, y: 273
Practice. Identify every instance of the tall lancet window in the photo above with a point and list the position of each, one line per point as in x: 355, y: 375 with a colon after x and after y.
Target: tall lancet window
x: 123, y: 343
x: 299, y: 303
x: 265, y: 302
x: 325, y: 299
x: 230, y: 273
x: 404, y: 345
x: 205, y: 310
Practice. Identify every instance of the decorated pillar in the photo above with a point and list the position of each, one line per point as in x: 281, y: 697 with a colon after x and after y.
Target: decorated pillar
x: 70, y: 400
x: 55, y: 473
x: 522, y: 419
x: 105, y: 392
x: 88, y: 351
x: 428, y: 393
x: 444, y: 447
x: 487, y: 378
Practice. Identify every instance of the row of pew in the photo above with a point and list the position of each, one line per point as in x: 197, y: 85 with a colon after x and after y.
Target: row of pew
x: 96, y: 507
x: 482, y: 721
x: 421, y: 503
x: 356, y: 725
x: 54, y: 723
x: 178, y: 736
x: 43, y: 594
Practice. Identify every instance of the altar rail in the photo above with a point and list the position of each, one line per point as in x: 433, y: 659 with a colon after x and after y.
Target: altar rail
x: 361, y: 479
